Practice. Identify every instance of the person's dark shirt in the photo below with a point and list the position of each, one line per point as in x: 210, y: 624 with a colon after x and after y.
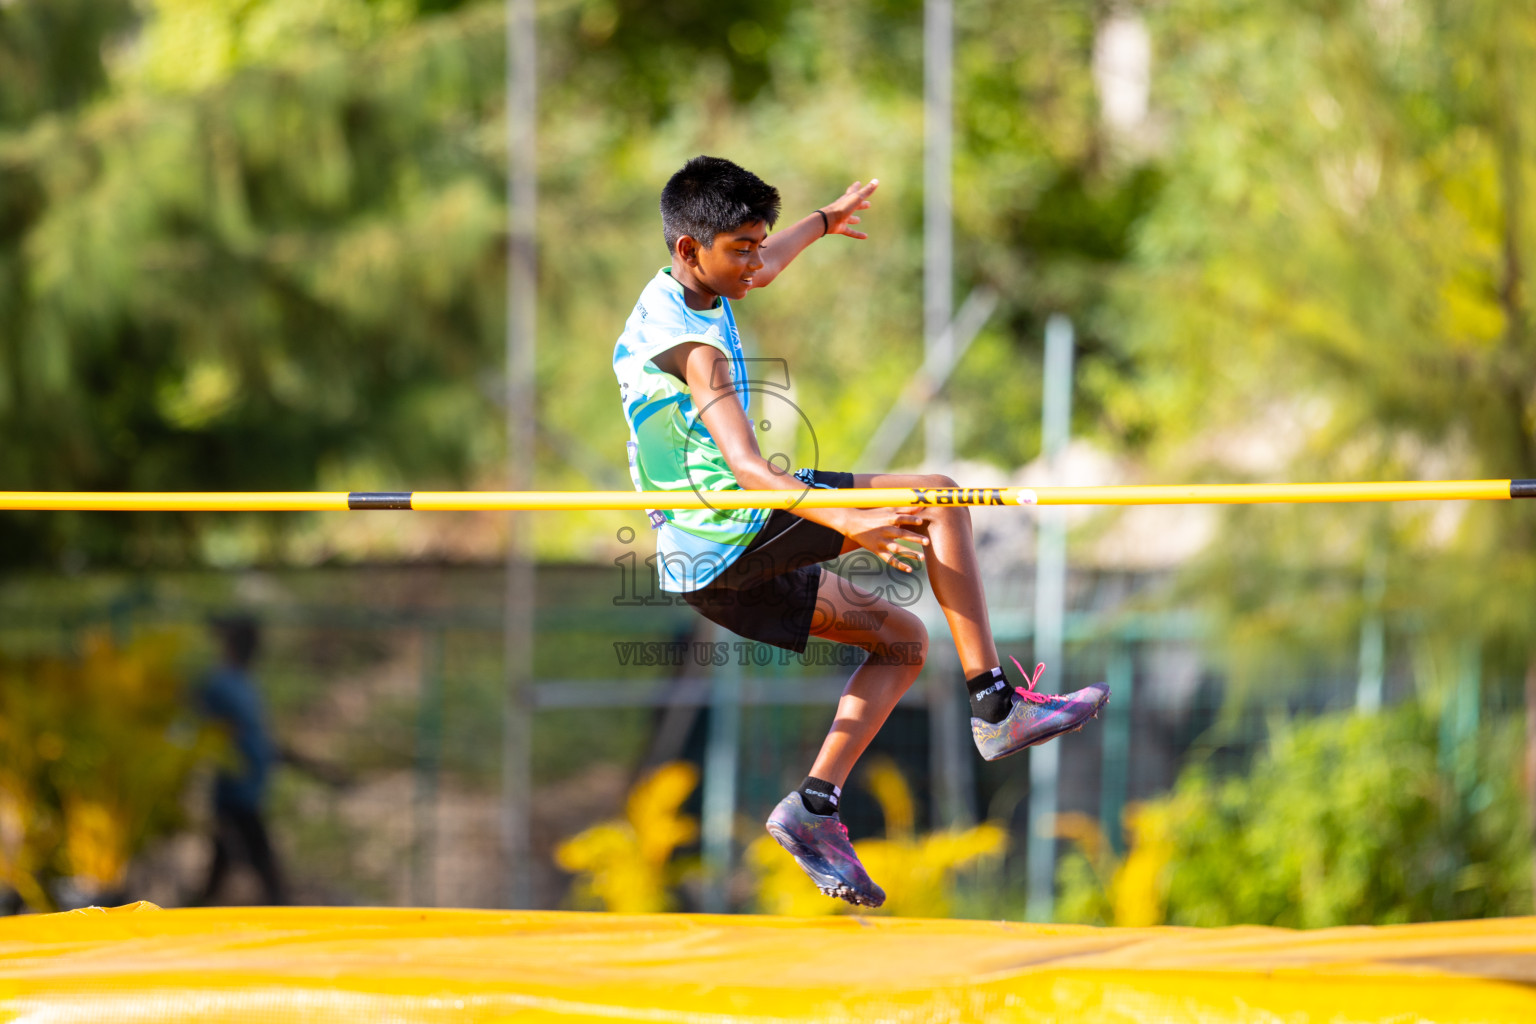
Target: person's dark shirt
x: 229, y: 697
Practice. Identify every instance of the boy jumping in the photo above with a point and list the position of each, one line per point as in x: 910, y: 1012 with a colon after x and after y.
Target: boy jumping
x: 683, y: 383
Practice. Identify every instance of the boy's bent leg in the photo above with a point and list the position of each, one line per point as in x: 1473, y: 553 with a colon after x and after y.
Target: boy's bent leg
x: 897, y: 643
x: 1013, y: 718
x: 819, y: 843
x: 953, y: 571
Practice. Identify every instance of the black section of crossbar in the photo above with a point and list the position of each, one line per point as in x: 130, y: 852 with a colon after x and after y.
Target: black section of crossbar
x: 1522, y: 488
x: 379, y: 500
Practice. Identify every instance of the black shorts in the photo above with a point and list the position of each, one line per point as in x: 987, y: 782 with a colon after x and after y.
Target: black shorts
x: 769, y: 593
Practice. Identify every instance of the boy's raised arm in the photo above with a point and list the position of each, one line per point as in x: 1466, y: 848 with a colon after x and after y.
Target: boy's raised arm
x: 836, y: 218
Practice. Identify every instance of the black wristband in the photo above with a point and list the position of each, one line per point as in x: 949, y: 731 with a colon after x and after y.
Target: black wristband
x: 826, y: 225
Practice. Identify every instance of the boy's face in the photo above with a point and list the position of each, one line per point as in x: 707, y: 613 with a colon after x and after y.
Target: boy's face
x: 727, y: 266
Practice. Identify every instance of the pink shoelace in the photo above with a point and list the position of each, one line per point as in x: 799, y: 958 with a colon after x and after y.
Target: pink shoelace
x: 1030, y: 694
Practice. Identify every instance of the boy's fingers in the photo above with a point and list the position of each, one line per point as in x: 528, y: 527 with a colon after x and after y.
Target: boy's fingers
x: 862, y: 190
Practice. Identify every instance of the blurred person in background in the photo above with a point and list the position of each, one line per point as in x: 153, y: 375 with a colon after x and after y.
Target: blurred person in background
x: 228, y: 697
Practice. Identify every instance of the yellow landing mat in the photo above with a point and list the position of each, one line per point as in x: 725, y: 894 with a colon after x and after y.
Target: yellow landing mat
x: 269, y: 965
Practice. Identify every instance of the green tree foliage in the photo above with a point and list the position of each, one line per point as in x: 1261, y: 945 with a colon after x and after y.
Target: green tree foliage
x: 1335, y: 283
x: 269, y: 255
x: 290, y: 275
x: 268, y: 251
x: 1346, y: 225
x: 644, y: 58
x: 1046, y: 206
x: 1343, y: 820
x: 51, y: 54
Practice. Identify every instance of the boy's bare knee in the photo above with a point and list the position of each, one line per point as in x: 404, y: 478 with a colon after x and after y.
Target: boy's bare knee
x: 908, y: 638
x: 944, y: 513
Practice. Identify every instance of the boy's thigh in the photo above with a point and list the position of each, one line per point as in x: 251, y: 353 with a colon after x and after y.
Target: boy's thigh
x: 846, y: 613
x: 769, y: 593
x: 787, y: 609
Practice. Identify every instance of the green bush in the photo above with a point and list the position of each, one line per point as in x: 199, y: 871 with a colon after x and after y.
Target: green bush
x: 95, y: 753
x: 1344, y: 820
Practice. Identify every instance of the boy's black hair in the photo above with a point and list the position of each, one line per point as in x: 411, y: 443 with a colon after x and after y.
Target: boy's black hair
x: 711, y: 195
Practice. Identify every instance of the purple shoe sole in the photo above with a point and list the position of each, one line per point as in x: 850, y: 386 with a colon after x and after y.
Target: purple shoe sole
x: 820, y: 847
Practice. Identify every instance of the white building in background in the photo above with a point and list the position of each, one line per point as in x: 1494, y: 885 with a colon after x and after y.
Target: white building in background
x: 1122, y: 73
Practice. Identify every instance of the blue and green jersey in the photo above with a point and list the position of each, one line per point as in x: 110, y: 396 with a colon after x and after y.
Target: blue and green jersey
x: 669, y: 447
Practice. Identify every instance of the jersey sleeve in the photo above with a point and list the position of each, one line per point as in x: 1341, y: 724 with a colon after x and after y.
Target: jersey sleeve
x: 655, y: 338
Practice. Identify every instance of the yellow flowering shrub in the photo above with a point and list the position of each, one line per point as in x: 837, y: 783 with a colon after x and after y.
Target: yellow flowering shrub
x: 92, y: 765
x: 1101, y: 888
x: 624, y: 865
x: 916, y: 872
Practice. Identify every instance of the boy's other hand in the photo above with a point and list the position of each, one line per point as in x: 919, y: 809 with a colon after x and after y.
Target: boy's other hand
x: 843, y: 214
x: 890, y: 534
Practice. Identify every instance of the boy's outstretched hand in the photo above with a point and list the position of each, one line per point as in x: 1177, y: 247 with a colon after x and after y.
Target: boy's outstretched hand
x: 780, y: 249
x: 843, y: 214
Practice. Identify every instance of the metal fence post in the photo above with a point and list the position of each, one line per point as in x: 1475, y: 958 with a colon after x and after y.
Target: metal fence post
x: 522, y: 297
x: 429, y: 758
x: 1050, y: 615
x: 1114, y: 775
x: 938, y: 222
x: 722, y: 755
x: 1373, y: 634
x: 953, y: 785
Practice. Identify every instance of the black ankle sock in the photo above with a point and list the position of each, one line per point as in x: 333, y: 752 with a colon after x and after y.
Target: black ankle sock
x: 819, y: 796
x: 991, y: 696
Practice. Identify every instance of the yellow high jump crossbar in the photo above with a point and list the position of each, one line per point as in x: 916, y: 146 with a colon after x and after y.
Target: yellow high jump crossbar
x: 874, y: 497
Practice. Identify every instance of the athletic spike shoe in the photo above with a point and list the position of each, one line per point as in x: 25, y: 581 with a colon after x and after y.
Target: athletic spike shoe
x: 1037, y: 717
x: 819, y: 843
